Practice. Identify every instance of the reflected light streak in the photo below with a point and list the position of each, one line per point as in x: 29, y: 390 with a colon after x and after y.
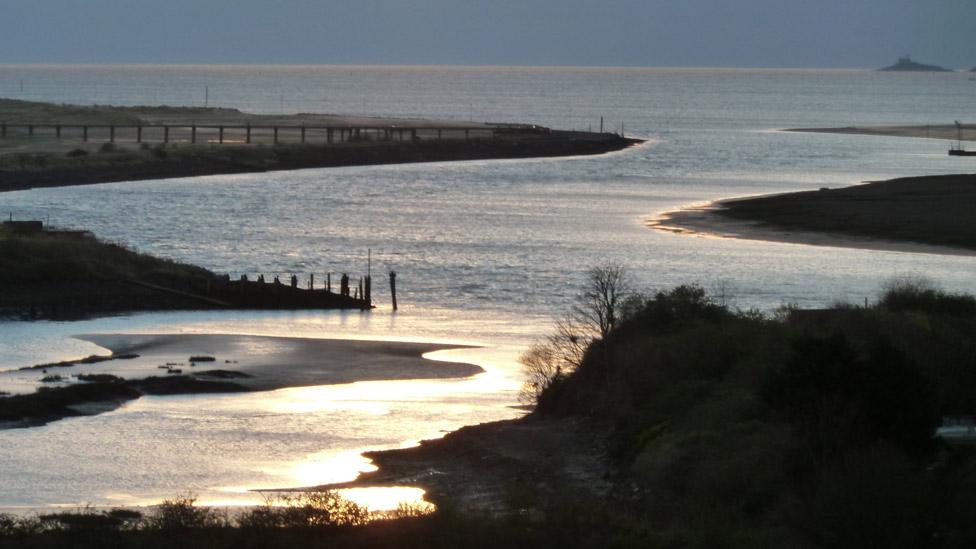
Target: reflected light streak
x: 388, y: 498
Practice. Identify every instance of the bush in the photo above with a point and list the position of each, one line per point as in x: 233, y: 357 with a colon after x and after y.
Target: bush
x: 181, y: 514
x: 304, y: 510
x: 841, y: 399
x: 919, y: 294
x: 75, y: 153
x: 108, y: 148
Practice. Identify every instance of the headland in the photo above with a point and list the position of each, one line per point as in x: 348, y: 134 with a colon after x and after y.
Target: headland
x: 930, y: 214
x: 69, y: 274
x: 43, y: 144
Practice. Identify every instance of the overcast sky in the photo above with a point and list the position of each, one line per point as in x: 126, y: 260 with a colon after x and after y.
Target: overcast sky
x: 702, y: 33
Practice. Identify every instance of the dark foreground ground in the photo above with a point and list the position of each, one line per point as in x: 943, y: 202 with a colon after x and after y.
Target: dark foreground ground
x: 689, y: 425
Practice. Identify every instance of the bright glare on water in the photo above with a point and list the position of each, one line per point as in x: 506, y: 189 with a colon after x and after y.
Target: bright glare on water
x: 488, y: 252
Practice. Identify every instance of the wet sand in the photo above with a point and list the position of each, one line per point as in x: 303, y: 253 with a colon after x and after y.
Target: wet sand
x: 279, y: 362
x: 919, y: 214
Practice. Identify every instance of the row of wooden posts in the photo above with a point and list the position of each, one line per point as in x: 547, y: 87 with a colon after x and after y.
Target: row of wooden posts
x: 362, y: 292
x: 332, y: 133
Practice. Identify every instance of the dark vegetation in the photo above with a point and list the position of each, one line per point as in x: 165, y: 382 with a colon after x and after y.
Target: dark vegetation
x: 809, y: 429
x: 28, y: 170
x: 929, y: 210
x: 71, y: 274
x: 53, y: 403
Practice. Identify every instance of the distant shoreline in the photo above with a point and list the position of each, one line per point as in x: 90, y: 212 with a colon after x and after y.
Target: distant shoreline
x: 47, y: 145
x: 930, y: 131
x: 930, y: 214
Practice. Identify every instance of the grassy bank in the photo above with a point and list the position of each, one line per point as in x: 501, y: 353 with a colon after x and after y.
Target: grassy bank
x: 929, y: 210
x: 67, y: 275
x: 41, y: 159
x: 54, y: 274
x: 28, y: 170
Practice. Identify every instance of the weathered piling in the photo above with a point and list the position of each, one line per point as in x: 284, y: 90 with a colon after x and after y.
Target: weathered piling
x: 393, y: 289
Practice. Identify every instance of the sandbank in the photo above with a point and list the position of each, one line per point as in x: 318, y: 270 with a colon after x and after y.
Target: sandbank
x: 279, y: 362
x: 919, y: 215
x: 931, y: 131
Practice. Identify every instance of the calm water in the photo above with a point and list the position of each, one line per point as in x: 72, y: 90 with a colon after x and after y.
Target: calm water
x: 487, y: 252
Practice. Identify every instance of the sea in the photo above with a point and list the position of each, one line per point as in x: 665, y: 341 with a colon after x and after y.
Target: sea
x: 488, y: 253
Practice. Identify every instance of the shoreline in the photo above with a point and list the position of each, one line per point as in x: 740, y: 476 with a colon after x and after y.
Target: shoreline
x: 195, y: 161
x: 926, y: 214
x: 483, y: 468
x: 927, y: 131
x: 225, y: 363
x: 48, y: 145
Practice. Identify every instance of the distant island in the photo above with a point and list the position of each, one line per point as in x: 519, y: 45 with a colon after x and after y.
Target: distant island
x: 906, y: 64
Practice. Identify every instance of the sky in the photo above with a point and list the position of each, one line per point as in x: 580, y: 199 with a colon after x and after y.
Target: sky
x: 645, y: 33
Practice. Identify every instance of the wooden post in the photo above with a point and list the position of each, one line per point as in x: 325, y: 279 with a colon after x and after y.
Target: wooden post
x: 30, y: 130
x: 57, y: 131
x: 413, y: 134
x: 601, y: 124
x: 393, y: 289
x: 165, y: 134
x: 359, y: 291
x: 193, y: 134
x: 303, y: 134
x: 439, y: 134
x: 220, y: 138
x: 84, y: 133
x: 111, y: 134
x: 248, y: 138
x: 466, y: 133
x: 276, y: 135
x: 368, y: 291
x: 311, y: 281
x: 328, y: 135
x: 328, y: 282
x: 139, y: 134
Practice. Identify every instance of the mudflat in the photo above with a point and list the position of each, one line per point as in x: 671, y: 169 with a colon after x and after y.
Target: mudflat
x: 278, y: 362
